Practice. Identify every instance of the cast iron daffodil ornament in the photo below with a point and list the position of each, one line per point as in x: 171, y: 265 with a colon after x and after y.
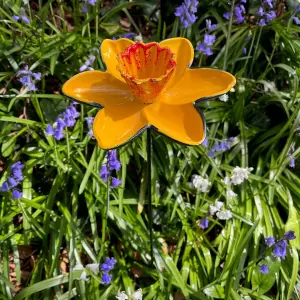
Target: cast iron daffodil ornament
x: 148, y: 85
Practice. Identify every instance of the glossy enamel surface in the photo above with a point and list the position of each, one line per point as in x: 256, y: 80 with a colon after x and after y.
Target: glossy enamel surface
x: 182, y: 123
x: 146, y: 69
x: 148, y: 85
x: 98, y: 87
x: 199, y: 83
x: 115, y: 125
x: 109, y: 51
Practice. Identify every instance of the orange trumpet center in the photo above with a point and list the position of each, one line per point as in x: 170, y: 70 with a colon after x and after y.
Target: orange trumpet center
x: 146, y: 69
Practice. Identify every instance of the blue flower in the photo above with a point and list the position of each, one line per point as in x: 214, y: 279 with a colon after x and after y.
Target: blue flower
x: 292, y: 161
x: 227, y: 15
x: 115, y: 182
x: 21, y: 17
x: 269, y: 3
x: 49, y: 130
x: 269, y: 241
x: 209, y: 39
x: 4, y: 187
x: 107, y: 266
x: 290, y: 235
x: 90, y: 122
x: 186, y: 12
x: 16, y: 194
x: 205, y: 143
x: 280, y: 249
x: 106, y: 278
x: 12, y: 182
x: 84, y: 9
x: 16, y: 170
x: 113, y: 162
x: 216, y: 147
x: 261, y: 12
x: 262, y: 22
x: 91, y: 2
x: 210, y: 27
x: 264, y: 269
x: 26, y: 78
x: 270, y: 16
x: 204, y: 49
x: 104, y: 173
x: 87, y: 64
x: 204, y: 223
x: 239, y: 10
x: 211, y: 153
x: 245, y: 50
x: 296, y: 20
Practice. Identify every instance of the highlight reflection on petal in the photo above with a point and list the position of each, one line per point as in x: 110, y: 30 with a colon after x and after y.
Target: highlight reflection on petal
x: 182, y: 123
x: 116, y: 125
x: 97, y: 87
x: 184, y: 55
x: 109, y: 51
x: 197, y: 84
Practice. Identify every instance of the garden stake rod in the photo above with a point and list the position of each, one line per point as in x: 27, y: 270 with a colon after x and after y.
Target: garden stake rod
x: 150, y: 216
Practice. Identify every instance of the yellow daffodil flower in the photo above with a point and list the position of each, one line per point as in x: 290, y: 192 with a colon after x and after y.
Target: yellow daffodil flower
x: 148, y: 85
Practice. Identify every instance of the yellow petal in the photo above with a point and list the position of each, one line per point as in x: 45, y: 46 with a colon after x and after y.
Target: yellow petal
x: 182, y: 123
x: 184, y: 55
x: 96, y: 87
x: 109, y: 51
x: 197, y: 84
x: 116, y: 125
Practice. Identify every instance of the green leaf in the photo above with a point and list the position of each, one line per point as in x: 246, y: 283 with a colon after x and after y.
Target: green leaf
x: 264, y: 282
x: 215, y: 291
x: 52, y: 109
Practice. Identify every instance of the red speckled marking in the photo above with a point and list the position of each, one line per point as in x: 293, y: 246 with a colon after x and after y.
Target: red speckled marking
x: 146, y: 68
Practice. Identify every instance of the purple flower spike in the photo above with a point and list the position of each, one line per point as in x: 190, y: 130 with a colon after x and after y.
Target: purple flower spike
x: 4, y: 187
x: 269, y: 3
x: 87, y: 64
x: 211, y: 153
x: 269, y: 241
x: 128, y: 35
x: 186, y: 11
x: 104, y: 173
x: 106, y: 278
x: 205, y: 143
x: 209, y: 39
x: 216, y: 146
x: 12, y: 182
x: 290, y: 235
x: 204, y: 49
x: 22, y: 16
x: 113, y: 162
x: 227, y: 15
x: 16, y: 194
x: 115, y: 182
x: 280, y: 249
x: 296, y: 20
x: 210, y: 27
x: 292, y: 161
x: 49, y: 130
x: 264, y: 269
x: 261, y: 12
x: 84, y: 9
x: 204, y: 223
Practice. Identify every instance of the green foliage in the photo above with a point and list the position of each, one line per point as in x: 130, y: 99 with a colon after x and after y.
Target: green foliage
x: 64, y: 200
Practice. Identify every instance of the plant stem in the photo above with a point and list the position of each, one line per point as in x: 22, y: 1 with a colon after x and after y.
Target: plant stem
x: 228, y: 35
